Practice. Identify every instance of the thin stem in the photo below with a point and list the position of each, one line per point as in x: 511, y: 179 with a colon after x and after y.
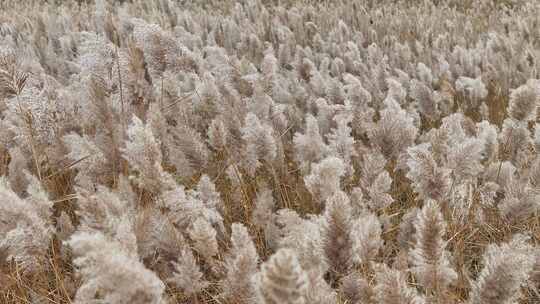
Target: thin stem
x: 504, y: 151
x: 121, y: 91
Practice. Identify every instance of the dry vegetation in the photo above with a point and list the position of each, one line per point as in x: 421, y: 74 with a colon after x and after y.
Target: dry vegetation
x: 302, y: 152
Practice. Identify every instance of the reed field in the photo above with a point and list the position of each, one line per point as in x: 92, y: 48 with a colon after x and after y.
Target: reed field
x: 269, y: 152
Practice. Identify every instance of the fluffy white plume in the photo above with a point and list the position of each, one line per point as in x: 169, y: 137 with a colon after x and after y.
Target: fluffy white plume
x: 429, y: 258
x: 512, y: 261
x: 430, y: 180
x: 325, y: 178
x: 282, y: 280
x: 143, y: 153
x: 112, y: 275
x: 309, y: 147
x: 524, y: 102
x: 366, y: 234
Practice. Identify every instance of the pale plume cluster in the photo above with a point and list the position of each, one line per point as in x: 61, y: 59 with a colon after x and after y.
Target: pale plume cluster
x: 265, y: 152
